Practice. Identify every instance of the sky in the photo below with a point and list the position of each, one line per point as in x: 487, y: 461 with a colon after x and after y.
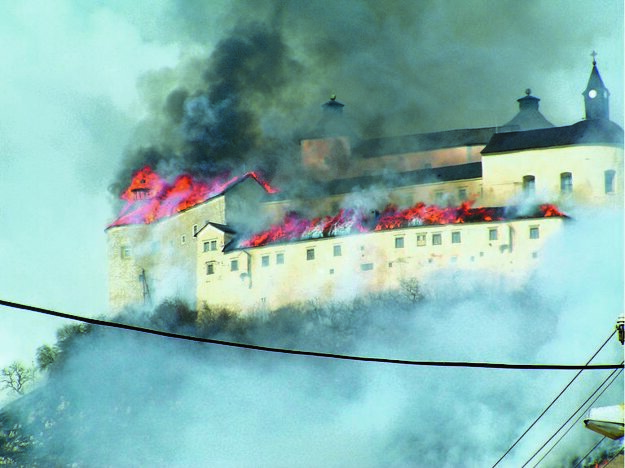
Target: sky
x: 87, y: 83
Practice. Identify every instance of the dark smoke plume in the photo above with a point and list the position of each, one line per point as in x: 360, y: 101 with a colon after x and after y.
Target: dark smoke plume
x: 216, y: 127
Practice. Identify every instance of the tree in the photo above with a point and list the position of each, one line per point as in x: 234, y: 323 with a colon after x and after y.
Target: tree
x: 411, y: 289
x: 47, y: 356
x: 17, y: 377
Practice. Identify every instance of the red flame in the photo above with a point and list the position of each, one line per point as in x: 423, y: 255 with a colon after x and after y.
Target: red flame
x: 294, y: 227
x: 548, y: 210
x: 149, y: 197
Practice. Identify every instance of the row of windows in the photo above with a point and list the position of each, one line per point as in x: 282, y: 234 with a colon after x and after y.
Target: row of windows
x: 566, y: 182
x: 234, y: 264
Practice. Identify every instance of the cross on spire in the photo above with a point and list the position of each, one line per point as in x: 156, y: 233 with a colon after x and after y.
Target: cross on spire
x: 594, y: 57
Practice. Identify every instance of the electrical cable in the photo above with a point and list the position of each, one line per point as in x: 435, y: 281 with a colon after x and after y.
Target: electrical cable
x: 619, y: 452
x: 483, y: 365
x: 589, y: 452
x: 577, y: 420
x: 553, y: 401
x: 571, y: 417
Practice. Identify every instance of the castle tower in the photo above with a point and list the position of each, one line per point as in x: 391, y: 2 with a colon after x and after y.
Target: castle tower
x: 596, y: 95
x: 529, y: 117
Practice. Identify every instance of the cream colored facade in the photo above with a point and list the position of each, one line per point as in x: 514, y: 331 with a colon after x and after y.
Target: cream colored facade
x: 344, y: 267
x: 191, y: 254
x: 589, y: 168
x: 152, y: 262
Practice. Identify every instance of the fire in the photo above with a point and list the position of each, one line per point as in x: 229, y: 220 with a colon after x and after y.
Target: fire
x: 349, y: 221
x: 150, y: 197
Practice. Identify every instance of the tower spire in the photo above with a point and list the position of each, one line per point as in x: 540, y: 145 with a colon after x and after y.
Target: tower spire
x: 596, y: 95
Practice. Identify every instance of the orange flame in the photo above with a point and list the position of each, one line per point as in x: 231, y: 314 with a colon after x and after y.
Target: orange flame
x: 150, y: 198
x: 294, y: 227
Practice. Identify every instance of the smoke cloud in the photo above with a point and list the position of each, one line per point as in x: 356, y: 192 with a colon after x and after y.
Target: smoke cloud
x: 255, y: 88
x: 125, y: 399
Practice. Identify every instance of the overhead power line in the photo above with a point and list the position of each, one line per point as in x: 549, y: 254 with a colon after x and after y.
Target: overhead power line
x: 553, y: 401
x: 579, y: 463
x: 484, y: 365
x: 615, y: 371
x: 578, y: 418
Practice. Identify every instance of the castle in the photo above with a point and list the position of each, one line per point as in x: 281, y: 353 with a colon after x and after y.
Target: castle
x: 180, y: 239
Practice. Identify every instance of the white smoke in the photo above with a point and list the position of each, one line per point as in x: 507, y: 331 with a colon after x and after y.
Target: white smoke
x: 144, y: 400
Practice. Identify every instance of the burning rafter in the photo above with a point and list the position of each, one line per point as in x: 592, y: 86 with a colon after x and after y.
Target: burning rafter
x: 294, y: 227
x: 150, y: 197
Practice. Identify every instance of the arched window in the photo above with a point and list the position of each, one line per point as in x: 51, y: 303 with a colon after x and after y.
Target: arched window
x: 566, y: 183
x: 609, y: 180
x: 529, y: 184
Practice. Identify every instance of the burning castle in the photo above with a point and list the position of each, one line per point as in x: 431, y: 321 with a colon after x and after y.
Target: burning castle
x: 191, y: 238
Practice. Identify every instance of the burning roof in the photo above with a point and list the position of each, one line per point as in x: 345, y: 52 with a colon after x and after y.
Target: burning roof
x: 350, y: 221
x: 150, y: 197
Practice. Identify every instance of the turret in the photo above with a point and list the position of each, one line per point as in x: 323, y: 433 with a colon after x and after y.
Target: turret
x: 529, y: 117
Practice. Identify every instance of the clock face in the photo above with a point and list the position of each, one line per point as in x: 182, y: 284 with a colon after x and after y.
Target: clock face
x: 592, y: 93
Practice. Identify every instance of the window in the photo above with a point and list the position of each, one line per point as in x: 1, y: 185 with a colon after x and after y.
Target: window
x: 366, y: 266
x: 310, y: 254
x: 454, y: 259
x: 421, y: 240
x: 264, y: 260
x: 462, y: 194
x: 399, y: 242
x: 280, y: 259
x: 534, y: 232
x: 492, y: 234
x: 234, y: 265
x: 125, y: 252
x: 609, y: 181
x: 455, y: 237
x: 195, y: 229
x: 439, y: 198
x: 337, y: 250
x: 331, y: 271
x: 566, y: 183
x: 183, y: 239
x: 210, y: 268
x: 437, y: 239
x: 210, y: 245
x: 529, y: 185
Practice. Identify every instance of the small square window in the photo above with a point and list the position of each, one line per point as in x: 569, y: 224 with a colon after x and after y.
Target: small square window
x: 437, y: 239
x: 421, y: 238
x: 310, y: 254
x: 462, y: 194
x: 264, y: 260
x: 366, y: 266
x: 125, y: 252
x: 183, y: 239
x: 210, y: 268
x: 280, y: 259
x: 399, y: 242
x: 455, y: 237
x: 234, y: 265
x: 454, y: 259
x: 534, y: 232
x: 534, y: 254
x: 331, y: 271
x: 336, y: 250
x: 492, y: 234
